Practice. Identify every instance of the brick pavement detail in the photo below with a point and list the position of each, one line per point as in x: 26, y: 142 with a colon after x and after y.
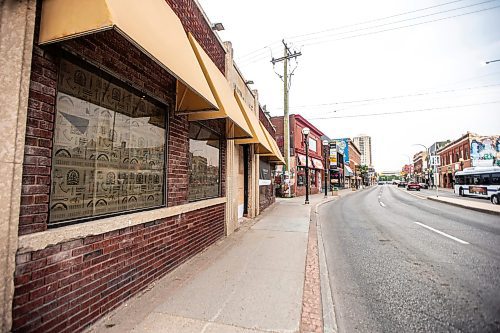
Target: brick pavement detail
x: 311, y: 320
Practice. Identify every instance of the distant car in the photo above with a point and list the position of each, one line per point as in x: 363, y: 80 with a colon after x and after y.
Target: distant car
x: 381, y: 183
x: 423, y: 185
x: 495, y: 198
x: 413, y: 186
x: 401, y: 184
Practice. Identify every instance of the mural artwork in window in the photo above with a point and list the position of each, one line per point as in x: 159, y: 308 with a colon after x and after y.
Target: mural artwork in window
x: 204, y: 163
x: 109, y: 148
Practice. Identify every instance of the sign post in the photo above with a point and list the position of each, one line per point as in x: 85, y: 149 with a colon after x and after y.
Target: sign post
x: 435, y: 162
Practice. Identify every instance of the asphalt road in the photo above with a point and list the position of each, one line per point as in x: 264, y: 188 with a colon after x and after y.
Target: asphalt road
x: 399, y: 263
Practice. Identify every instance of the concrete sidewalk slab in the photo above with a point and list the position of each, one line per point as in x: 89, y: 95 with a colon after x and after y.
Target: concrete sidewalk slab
x: 251, y: 281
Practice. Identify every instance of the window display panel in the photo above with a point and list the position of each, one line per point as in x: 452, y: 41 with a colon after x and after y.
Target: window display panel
x: 204, y: 163
x: 108, y: 150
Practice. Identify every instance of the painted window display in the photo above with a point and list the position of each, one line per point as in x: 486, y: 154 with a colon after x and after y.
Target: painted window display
x: 204, y: 163
x: 485, y: 151
x: 108, y: 150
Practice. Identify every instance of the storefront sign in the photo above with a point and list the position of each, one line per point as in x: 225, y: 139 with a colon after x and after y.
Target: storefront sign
x: 333, y: 154
x: 343, y: 147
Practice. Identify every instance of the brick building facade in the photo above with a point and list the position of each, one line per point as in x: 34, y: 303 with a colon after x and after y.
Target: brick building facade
x: 455, y: 156
x: 297, y: 154
x: 67, y: 284
x: 60, y: 274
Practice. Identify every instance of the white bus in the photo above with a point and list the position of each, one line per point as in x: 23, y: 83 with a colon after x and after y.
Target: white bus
x: 478, y: 181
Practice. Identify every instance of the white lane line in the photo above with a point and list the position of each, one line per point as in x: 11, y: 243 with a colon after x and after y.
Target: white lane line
x: 415, y: 195
x: 442, y: 233
x: 381, y: 204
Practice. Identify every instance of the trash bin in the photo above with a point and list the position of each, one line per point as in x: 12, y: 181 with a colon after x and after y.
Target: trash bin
x: 335, y: 191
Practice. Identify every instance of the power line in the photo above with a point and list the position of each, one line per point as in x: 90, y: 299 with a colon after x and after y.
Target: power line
x: 400, y: 21
x: 406, y: 111
x: 259, y: 57
x: 346, y: 26
x: 375, y: 20
x: 405, y: 26
x: 397, y: 96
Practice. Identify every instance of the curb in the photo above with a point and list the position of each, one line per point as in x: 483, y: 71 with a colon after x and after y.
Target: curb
x: 482, y: 210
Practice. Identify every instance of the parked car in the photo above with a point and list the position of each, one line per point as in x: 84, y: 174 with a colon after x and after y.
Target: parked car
x: 402, y: 184
x: 413, y: 186
x: 495, y: 198
x: 423, y: 185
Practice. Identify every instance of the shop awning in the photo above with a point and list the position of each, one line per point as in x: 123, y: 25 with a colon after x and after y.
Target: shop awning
x: 258, y: 137
x: 302, y: 160
x: 317, y: 164
x: 276, y: 153
x: 349, y: 171
x: 151, y: 25
x: 223, y: 93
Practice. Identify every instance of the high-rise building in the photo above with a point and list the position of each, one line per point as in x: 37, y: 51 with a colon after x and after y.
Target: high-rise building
x: 364, y: 143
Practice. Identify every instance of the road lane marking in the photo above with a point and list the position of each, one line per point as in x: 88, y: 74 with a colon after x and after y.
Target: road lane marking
x: 442, y: 233
x: 416, y: 196
x: 381, y: 204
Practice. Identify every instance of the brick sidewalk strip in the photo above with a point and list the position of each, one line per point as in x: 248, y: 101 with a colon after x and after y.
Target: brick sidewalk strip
x: 312, y: 313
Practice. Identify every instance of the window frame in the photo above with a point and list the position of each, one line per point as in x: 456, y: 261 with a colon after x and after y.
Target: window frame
x: 129, y: 86
x: 221, y: 138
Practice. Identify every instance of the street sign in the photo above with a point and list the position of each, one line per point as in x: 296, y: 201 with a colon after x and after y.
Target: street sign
x: 333, y: 154
x: 435, y: 160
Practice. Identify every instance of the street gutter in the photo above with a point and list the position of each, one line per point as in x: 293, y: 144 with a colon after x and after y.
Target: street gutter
x: 457, y: 204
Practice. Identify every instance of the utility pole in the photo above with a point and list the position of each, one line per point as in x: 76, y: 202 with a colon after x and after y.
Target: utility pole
x: 287, y: 54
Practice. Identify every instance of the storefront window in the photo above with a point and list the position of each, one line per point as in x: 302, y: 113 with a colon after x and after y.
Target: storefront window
x: 204, y: 163
x: 108, y: 149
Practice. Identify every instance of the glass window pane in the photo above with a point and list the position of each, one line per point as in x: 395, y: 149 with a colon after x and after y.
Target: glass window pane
x: 204, y: 163
x: 495, y: 179
x: 485, y: 179
x: 109, y: 148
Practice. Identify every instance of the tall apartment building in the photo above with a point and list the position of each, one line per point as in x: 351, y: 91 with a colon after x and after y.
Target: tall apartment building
x: 364, y: 143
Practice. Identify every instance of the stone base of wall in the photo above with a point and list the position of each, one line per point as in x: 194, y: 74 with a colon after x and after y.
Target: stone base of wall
x: 266, y: 197
x: 68, y: 286
x: 301, y: 190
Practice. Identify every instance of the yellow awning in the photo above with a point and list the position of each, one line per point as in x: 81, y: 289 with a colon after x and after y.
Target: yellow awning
x: 276, y: 154
x: 258, y: 136
x: 150, y: 24
x: 223, y: 93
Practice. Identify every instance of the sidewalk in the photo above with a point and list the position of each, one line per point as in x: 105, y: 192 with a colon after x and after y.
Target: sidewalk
x: 484, y: 207
x: 251, y: 281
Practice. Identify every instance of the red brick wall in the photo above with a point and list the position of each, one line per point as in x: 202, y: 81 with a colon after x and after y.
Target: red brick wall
x: 354, y: 156
x: 267, y: 123
x: 193, y: 21
x: 65, y: 287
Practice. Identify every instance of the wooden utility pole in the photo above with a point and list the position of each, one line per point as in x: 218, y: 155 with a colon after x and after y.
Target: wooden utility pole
x: 287, y: 54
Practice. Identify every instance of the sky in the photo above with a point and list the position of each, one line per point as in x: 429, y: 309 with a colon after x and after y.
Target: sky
x: 422, y: 63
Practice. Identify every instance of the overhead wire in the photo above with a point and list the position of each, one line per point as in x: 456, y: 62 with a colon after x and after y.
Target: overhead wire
x: 259, y: 57
x: 405, y: 111
x: 395, y: 97
x: 400, y: 21
x: 347, y: 26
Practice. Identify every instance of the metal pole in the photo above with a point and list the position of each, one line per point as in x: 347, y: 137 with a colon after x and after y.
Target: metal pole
x: 325, y: 149
x: 307, y: 169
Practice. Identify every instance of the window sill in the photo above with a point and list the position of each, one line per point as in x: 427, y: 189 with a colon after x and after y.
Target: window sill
x: 40, y: 240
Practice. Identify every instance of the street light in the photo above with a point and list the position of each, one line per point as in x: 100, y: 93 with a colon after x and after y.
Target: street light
x: 305, y: 132
x: 325, y: 149
x: 426, y: 158
x: 490, y: 61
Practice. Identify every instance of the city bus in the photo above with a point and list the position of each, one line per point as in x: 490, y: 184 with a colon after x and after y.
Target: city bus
x: 477, y: 181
